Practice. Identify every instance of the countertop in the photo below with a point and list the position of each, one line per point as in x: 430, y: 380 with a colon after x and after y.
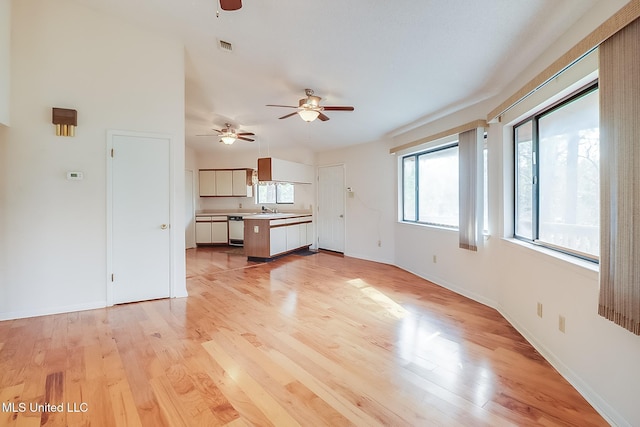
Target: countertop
x: 256, y: 215
x: 278, y: 215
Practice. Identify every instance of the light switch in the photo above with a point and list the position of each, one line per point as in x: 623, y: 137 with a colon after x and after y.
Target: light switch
x: 256, y: 229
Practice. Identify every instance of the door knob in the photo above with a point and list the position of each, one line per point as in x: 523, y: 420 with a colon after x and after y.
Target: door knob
x: 164, y: 226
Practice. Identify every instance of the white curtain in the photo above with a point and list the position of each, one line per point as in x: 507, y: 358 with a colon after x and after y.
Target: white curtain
x: 619, y: 81
x: 470, y: 191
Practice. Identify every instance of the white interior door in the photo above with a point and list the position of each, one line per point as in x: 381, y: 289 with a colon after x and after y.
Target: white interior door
x: 331, y: 208
x: 140, y: 244
x: 189, y: 211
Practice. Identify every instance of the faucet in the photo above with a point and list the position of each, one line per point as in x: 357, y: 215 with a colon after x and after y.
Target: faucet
x: 266, y: 209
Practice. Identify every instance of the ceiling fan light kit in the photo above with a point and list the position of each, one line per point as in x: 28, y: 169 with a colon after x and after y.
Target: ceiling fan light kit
x: 309, y: 115
x: 228, y: 139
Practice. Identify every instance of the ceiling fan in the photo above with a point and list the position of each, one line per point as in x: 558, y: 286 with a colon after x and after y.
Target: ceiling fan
x: 309, y: 108
x: 228, y: 135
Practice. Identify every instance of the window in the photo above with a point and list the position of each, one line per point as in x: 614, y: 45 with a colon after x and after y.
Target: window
x: 430, y: 187
x: 557, y: 198
x: 275, y: 192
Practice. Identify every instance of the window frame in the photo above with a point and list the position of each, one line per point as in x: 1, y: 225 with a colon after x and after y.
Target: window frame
x: 416, y: 157
x: 535, y: 196
x: 277, y: 193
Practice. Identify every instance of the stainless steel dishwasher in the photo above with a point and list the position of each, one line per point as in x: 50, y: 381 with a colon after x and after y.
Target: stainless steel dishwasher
x: 236, y: 230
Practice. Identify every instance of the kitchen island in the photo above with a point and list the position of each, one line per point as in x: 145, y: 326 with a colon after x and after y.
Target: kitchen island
x: 269, y: 235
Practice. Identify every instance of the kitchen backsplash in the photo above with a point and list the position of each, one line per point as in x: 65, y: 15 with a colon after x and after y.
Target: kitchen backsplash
x: 304, y: 199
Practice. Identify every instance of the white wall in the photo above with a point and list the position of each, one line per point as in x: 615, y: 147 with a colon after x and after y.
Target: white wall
x: 5, y: 43
x: 469, y: 273
x: 117, y: 77
x: 596, y: 356
x: 370, y: 213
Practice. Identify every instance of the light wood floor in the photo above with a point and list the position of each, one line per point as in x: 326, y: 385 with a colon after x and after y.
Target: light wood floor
x: 314, y: 340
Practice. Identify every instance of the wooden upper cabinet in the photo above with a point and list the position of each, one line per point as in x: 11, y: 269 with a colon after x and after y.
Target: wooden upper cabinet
x: 226, y: 182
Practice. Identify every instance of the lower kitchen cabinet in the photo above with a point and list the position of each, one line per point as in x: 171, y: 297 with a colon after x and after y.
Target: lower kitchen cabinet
x: 278, y: 241
x: 211, y: 230
x: 268, y: 238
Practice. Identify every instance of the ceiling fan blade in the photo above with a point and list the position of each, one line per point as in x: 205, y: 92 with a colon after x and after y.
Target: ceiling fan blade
x: 246, y: 134
x: 288, y: 115
x: 285, y: 106
x: 246, y: 139
x: 230, y: 4
x: 334, y: 108
x: 323, y: 117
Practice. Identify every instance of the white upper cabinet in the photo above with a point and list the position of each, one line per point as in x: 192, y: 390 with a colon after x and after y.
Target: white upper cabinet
x: 270, y: 169
x: 207, y: 182
x: 242, y: 183
x: 225, y: 182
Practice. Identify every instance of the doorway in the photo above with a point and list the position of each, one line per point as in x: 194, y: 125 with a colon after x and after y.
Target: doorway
x: 331, y: 203
x: 138, y: 213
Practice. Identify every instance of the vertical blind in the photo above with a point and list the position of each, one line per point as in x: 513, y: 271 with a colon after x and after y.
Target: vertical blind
x: 469, y: 149
x: 619, y: 81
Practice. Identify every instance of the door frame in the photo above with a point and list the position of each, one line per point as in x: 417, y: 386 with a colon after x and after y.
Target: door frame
x: 344, y: 204
x: 191, y: 200
x: 111, y: 134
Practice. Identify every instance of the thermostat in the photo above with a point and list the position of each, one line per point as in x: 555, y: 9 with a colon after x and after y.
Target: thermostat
x: 75, y: 176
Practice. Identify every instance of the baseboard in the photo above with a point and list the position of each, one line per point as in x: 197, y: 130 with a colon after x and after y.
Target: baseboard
x: 21, y: 314
x: 368, y: 258
x: 181, y: 294
x: 594, y: 399
x: 457, y: 289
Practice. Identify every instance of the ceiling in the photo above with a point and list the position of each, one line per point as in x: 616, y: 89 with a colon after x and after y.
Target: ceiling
x: 399, y: 63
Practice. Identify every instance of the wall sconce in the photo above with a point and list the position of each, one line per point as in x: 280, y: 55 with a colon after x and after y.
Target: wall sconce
x: 65, y: 120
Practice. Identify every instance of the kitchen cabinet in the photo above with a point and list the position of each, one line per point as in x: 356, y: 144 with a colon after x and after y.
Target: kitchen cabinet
x: 278, y: 241
x: 211, y: 230
x: 207, y: 182
x: 271, y: 169
x: 225, y: 182
x: 274, y: 235
x: 242, y: 182
x: 309, y: 234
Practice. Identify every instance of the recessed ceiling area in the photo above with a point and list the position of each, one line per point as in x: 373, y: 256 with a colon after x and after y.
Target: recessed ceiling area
x: 400, y: 63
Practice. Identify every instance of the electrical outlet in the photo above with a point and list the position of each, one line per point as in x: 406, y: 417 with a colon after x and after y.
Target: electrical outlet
x: 540, y: 309
x: 435, y: 259
x: 561, y: 323
x: 239, y: 205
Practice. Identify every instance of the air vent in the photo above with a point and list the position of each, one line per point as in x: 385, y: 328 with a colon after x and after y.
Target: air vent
x: 225, y: 45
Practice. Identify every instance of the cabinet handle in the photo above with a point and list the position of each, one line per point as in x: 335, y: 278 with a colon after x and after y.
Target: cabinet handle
x: 164, y: 226
x: 341, y: 216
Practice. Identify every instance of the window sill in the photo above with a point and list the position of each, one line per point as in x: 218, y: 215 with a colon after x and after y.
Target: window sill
x: 580, y: 265
x: 433, y: 226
